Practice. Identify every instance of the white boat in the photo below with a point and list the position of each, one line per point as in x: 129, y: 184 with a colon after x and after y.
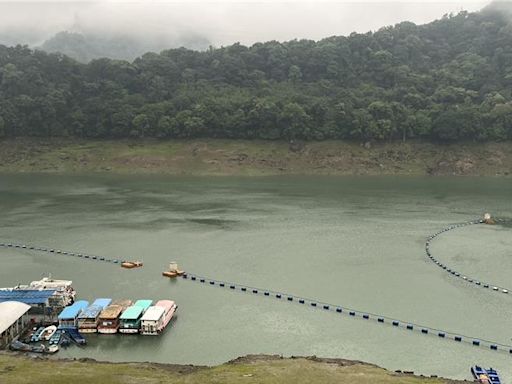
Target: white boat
x: 48, y: 332
x: 157, y: 317
x: 64, y: 293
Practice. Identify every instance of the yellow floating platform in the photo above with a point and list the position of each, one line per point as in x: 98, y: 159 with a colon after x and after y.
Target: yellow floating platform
x: 173, y: 273
x: 131, y: 264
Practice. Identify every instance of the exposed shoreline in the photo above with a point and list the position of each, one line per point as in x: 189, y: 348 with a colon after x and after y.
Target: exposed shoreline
x: 14, y: 369
x: 212, y: 157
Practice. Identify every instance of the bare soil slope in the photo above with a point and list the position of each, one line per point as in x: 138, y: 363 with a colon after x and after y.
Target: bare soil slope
x: 225, y: 157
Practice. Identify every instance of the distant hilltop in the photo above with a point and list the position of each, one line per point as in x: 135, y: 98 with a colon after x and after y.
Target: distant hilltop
x: 86, y: 47
x: 499, y: 6
x: 446, y: 81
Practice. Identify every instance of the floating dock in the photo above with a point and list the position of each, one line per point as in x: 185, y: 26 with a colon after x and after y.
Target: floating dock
x: 173, y: 270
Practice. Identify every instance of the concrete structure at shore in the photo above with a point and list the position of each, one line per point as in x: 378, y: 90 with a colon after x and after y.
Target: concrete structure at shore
x: 13, y: 321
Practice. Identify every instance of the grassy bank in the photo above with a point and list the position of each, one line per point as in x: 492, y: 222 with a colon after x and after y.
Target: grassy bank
x: 250, y: 369
x: 225, y: 157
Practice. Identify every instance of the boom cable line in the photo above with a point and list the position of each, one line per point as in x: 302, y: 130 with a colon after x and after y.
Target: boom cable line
x: 84, y: 256
x: 452, y: 271
x: 354, y: 313
x: 329, y: 307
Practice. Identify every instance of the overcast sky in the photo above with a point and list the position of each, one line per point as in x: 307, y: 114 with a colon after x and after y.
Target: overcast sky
x: 222, y: 22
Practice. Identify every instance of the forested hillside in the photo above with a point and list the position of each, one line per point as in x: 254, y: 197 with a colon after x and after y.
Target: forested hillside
x: 447, y: 80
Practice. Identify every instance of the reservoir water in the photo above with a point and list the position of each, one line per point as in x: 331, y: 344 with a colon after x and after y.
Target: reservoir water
x: 355, y: 241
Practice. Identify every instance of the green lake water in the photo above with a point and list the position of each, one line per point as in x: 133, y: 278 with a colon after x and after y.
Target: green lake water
x: 353, y: 241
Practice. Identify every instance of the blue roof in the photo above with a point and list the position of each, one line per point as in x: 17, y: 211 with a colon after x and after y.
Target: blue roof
x: 103, y: 303
x: 92, y: 311
x: 74, y: 310
x: 28, y: 296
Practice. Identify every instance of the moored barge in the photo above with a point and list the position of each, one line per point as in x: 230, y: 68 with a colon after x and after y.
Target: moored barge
x: 157, y: 317
x: 129, y: 322
x: 88, y: 319
x: 68, y: 317
x: 109, y: 318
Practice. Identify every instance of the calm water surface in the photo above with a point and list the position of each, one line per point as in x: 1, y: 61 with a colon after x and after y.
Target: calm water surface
x: 356, y: 241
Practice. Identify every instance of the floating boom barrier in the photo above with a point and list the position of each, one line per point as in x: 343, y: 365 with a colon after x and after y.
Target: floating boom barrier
x: 354, y: 313
x: 452, y: 271
x: 327, y: 307
x: 64, y: 253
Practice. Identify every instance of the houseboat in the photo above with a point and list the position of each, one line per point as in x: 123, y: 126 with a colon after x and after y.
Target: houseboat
x: 68, y: 317
x: 129, y: 322
x: 64, y: 293
x: 157, y: 317
x: 88, y: 319
x: 109, y: 317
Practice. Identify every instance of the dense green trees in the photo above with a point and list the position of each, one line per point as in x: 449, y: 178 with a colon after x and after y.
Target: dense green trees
x: 447, y: 80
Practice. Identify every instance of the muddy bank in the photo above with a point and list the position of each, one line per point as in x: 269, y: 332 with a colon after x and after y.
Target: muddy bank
x: 238, y: 157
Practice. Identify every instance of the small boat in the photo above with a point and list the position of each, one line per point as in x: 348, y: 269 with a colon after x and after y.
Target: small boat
x: 29, y: 335
x: 56, y: 337
x: 173, y: 271
x: 37, y: 335
x: 75, y: 336
x: 51, y: 349
x: 17, y: 345
x: 131, y: 264
x: 48, y: 332
x: 485, y: 376
x: 65, y: 340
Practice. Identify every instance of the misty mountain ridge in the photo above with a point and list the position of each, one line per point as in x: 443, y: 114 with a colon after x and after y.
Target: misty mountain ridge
x: 84, y: 45
x: 87, y: 47
x: 447, y: 80
x: 503, y: 6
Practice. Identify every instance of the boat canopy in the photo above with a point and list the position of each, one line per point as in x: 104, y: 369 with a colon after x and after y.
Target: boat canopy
x: 132, y: 313
x: 73, y: 310
x: 145, y: 304
x: 103, y: 303
x: 166, y: 304
x: 92, y: 311
x: 153, y: 313
x: 111, y: 312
